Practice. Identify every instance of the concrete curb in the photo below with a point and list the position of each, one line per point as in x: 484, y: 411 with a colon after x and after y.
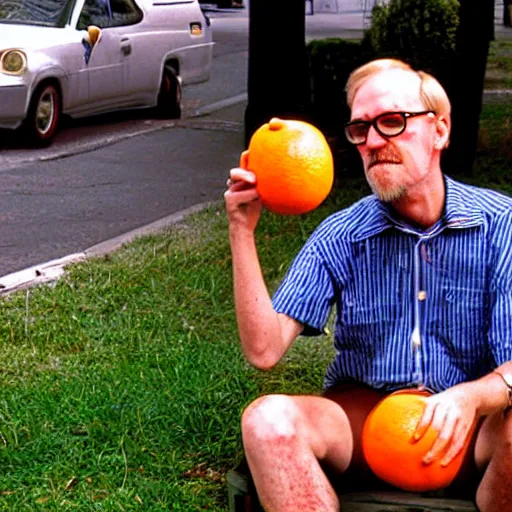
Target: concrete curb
x: 219, y: 105
x: 50, y: 271
x: 157, y: 226
x: 38, y: 274
x: 88, y: 145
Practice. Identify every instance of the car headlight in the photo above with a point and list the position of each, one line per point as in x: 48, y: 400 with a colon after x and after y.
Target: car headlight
x: 13, y: 62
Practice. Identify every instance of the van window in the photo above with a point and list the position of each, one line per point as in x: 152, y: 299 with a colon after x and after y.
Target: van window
x: 109, y: 13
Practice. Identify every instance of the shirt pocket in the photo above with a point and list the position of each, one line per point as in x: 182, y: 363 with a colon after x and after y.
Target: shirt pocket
x: 463, y: 323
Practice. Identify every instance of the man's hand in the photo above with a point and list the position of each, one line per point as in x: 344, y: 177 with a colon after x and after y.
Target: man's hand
x: 243, y: 205
x: 453, y: 414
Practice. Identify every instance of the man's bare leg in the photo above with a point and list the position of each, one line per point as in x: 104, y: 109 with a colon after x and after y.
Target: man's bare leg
x: 494, y: 449
x: 286, y: 438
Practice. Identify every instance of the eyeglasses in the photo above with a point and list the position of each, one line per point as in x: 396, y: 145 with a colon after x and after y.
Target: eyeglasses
x: 388, y: 124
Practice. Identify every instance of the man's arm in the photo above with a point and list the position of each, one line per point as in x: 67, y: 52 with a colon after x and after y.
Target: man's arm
x: 264, y: 334
x: 490, y: 393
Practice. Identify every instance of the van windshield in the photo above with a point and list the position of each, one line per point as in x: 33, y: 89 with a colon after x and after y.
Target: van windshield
x: 50, y: 13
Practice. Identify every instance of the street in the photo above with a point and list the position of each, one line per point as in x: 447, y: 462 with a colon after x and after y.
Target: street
x: 108, y: 175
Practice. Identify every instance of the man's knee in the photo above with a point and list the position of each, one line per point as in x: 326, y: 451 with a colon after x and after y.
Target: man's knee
x: 270, y: 419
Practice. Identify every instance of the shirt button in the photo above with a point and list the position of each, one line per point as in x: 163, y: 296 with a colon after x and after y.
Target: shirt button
x: 422, y: 295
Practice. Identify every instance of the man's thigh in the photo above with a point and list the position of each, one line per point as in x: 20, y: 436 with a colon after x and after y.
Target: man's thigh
x: 356, y: 400
x: 492, y: 430
x: 322, y: 424
x: 486, y: 438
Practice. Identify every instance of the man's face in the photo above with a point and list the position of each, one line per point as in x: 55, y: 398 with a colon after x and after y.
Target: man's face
x: 395, y: 165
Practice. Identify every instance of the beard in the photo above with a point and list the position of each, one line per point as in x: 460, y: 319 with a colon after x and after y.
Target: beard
x: 382, y: 181
x: 387, y: 192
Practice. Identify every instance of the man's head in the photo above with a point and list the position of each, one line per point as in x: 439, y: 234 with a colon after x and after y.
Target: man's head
x: 400, y: 121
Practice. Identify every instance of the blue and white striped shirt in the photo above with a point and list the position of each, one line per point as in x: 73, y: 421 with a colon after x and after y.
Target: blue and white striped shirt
x: 451, y: 286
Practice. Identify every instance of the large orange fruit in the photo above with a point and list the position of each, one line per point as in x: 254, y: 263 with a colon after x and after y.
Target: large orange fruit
x: 391, y: 452
x: 293, y: 165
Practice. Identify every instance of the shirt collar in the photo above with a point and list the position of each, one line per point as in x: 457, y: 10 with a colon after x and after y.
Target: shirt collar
x: 460, y: 211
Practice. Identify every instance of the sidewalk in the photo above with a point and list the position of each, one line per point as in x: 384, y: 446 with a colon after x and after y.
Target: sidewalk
x: 347, y: 24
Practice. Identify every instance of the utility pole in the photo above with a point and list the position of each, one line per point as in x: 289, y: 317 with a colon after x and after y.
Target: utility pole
x: 475, y: 32
x: 278, y: 73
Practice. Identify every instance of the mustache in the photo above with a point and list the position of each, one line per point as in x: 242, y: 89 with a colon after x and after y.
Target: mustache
x: 385, y: 155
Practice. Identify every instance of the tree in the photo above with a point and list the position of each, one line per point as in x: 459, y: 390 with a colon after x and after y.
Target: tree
x: 278, y: 78
x: 474, y: 34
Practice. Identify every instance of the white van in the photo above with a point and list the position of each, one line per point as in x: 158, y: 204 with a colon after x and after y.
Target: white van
x: 86, y: 57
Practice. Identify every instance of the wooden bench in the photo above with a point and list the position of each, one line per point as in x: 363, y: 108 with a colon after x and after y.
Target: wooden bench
x: 243, y: 498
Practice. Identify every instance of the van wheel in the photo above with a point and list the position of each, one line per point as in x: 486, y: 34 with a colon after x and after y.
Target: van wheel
x: 43, y: 116
x: 170, y: 95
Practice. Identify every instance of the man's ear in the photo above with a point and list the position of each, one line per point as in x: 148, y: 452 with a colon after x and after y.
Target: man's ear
x: 442, y: 133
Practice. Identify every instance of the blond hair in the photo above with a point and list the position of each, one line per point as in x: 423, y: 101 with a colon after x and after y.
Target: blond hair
x: 432, y: 93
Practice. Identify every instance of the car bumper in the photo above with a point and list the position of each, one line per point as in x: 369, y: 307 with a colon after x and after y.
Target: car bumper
x: 13, y: 102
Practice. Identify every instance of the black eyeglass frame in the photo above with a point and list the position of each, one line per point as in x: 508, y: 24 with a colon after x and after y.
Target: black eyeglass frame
x: 374, y: 121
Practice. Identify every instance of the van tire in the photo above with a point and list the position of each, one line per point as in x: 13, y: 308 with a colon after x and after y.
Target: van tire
x: 42, y: 121
x: 170, y: 95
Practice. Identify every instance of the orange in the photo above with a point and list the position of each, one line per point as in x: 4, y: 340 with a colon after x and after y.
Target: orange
x: 293, y: 165
x: 391, y: 452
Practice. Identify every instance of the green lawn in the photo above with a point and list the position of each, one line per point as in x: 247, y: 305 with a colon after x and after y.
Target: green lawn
x: 123, y: 384
x: 499, y: 65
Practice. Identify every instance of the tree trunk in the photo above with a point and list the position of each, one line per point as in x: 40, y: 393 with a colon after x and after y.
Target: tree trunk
x: 278, y: 74
x: 476, y: 30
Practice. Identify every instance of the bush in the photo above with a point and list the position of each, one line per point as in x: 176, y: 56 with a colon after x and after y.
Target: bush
x: 330, y: 63
x: 421, y: 32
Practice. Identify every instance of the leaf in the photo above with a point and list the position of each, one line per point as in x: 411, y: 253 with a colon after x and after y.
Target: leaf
x: 71, y: 483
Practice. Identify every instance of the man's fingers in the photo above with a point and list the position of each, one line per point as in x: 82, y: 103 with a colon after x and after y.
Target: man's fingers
x: 425, y: 421
x: 244, y: 159
x: 236, y: 186
x: 237, y: 174
x: 236, y: 198
x: 443, y: 439
x: 462, y: 431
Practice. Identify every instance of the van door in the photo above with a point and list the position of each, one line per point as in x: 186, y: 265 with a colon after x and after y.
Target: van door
x: 107, y: 65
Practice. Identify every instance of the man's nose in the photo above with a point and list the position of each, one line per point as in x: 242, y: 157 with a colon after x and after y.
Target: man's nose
x: 374, y: 139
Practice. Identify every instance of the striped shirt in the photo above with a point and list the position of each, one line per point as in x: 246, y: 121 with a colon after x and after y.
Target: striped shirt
x: 431, y: 307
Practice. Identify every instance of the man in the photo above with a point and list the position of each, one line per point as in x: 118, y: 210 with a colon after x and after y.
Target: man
x: 420, y: 274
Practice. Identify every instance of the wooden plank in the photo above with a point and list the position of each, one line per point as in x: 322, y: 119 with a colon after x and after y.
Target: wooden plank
x: 243, y: 498
x: 394, y: 501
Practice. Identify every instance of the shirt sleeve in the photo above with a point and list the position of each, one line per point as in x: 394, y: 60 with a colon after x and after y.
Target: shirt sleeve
x: 307, y: 292
x: 500, y: 327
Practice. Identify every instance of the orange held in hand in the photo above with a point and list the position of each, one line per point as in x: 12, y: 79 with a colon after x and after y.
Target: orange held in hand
x: 391, y: 452
x: 293, y: 166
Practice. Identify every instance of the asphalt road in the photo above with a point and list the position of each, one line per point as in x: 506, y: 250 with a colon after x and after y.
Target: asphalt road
x: 50, y: 209
x: 109, y: 175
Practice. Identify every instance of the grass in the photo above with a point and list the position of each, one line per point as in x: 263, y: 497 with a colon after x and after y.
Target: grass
x: 494, y: 161
x: 499, y: 65
x: 123, y: 383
